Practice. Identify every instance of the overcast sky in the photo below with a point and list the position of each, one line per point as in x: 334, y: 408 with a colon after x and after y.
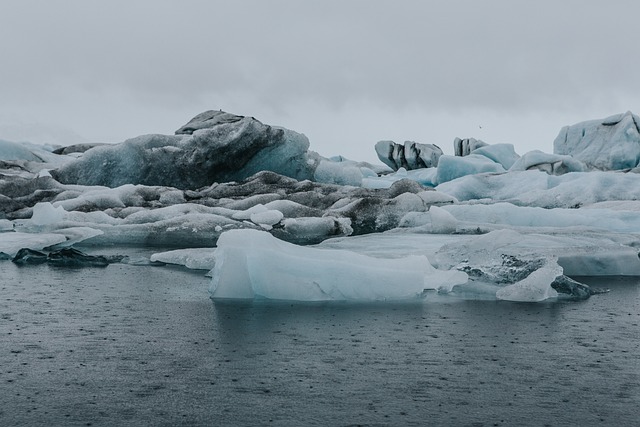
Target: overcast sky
x: 345, y: 73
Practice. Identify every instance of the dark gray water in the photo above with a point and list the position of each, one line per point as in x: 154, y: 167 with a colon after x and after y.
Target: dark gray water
x: 131, y: 345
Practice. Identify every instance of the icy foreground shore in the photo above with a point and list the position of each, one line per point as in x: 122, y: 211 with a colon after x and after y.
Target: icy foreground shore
x: 271, y: 219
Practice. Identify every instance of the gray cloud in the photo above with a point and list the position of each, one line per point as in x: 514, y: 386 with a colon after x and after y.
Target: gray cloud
x: 109, y: 68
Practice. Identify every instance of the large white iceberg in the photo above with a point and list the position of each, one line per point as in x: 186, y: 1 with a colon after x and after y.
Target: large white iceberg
x: 609, y: 144
x: 254, y: 264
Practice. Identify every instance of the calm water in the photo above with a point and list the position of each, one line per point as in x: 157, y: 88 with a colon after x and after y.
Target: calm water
x: 146, y: 346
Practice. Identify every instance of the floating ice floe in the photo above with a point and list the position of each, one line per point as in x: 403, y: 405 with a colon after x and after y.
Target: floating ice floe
x: 11, y: 243
x: 196, y: 259
x: 254, y: 264
x: 506, y: 257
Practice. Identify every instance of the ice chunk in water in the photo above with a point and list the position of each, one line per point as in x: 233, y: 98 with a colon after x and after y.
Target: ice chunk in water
x: 197, y: 259
x: 535, y: 287
x: 252, y: 264
x: 11, y: 243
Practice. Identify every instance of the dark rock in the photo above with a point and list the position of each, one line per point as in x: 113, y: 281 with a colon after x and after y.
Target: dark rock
x: 70, y: 257
x: 568, y: 286
x: 29, y: 256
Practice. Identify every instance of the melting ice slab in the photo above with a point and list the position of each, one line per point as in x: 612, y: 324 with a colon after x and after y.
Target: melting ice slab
x: 254, y: 264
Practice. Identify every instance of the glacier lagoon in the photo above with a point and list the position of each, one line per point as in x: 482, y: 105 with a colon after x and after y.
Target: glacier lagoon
x: 337, y: 291
x: 131, y: 345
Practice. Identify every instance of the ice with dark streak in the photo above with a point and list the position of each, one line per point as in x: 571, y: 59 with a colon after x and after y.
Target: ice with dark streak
x: 213, y: 147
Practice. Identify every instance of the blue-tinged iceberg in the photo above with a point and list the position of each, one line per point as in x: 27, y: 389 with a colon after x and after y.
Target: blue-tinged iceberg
x: 213, y: 147
x: 253, y: 264
x: 609, y: 144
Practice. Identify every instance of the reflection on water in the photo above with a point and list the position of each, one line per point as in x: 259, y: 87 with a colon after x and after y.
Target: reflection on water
x: 139, y: 345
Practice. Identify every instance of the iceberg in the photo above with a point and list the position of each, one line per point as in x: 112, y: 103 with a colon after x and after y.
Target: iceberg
x: 14, y: 151
x: 484, y: 223
x: 535, y: 287
x: 553, y: 164
x: 196, y: 258
x: 46, y: 214
x: 452, y: 167
x: 254, y: 264
x: 213, y: 147
x: 606, y: 144
x: 537, y: 188
x: 505, y: 154
x: 12, y: 242
x: 411, y: 155
x: 464, y: 147
x: 340, y: 173
x: 425, y: 177
x: 508, y: 214
x: 505, y: 257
